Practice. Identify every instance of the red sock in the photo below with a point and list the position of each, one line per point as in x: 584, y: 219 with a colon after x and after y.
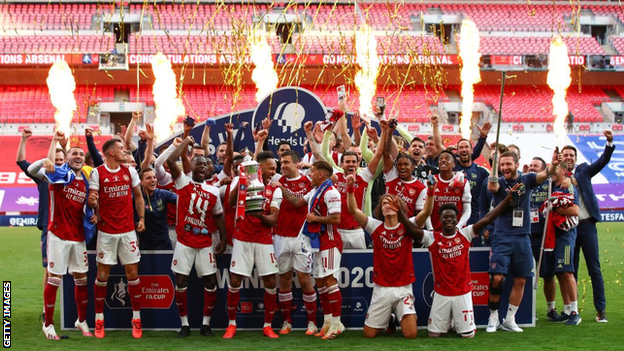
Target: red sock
x: 324, y: 300
x: 210, y: 301
x: 309, y: 300
x: 49, y: 298
x: 134, y: 289
x: 180, y: 296
x: 81, y: 293
x: 99, y: 291
x: 285, y: 304
x: 335, y: 300
x: 270, y: 304
x: 233, y: 298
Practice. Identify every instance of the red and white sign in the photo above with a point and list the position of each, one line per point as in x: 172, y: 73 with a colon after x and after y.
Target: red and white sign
x: 157, y: 291
x: 480, y: 288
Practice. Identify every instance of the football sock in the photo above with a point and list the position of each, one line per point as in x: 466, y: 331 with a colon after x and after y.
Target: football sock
x: 574, y: 306
x: 285, y: 303
x: 335, y: 300
x: 99, y: 291
x: 551, y: 305
x: 270, y: 304
x: 327, y: 312
x: 233, y: 297
x: 181, y: 302
x: 210, y: 301
x: 134, y: 289
x: 567, y: 309
x: 511, y: 312
x: 309, y: 300
x: 49, y: 298
x: 81, y: 293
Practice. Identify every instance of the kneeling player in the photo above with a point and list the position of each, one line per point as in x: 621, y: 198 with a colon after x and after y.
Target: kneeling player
x: 450, y: 260
x: 198, y: 211
x: 393, y: 269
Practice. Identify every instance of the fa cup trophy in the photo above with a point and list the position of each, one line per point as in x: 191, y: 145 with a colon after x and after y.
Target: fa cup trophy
x: 251, y: 184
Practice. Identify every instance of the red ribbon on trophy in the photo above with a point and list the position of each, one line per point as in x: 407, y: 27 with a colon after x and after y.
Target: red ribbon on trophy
x: 242, y: 194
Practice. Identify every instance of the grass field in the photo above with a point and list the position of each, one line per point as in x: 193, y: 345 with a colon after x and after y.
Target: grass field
x: 20, y: 263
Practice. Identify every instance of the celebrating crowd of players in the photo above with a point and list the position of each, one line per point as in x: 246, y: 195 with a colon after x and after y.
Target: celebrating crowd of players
x: 317, y: 204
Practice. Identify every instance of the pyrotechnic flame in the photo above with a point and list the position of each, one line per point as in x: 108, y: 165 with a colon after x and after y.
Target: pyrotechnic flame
x: 168, y: 105
x: 559, y: 79
x: 61, y: 85
x: 470, y: 72
x: 366, y: 77
x: 264, y: 75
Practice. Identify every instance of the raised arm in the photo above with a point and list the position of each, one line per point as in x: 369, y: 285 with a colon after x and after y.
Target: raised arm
x: 314, y: 146
x: 550, y: 170
x: 21, y: 148
x: 356, y: 125
x: 325, y: 151
x: 437, y: 137
x: 205, y: 138
x: 93, y: 150
x: 359, y: 216
x: 262, y: 137
x: 59, y: 137
x: 372, y: 165
x: 229, y: 150
x: 410, y: 228
x: 405, y: 134
x: 422, y: 216
x: 483, y: 132
x: 149, y: 151
x: 294, y: 200
x: 604, y: 159
x: 130, y: 130
x: 180, y: 150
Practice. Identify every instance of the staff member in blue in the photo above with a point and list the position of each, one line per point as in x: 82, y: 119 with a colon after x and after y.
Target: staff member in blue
x: 511, y: 246
x: 156, y: 234
x: 589, y: 215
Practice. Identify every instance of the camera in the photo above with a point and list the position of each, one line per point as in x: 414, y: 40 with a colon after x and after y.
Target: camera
x: 393, y: 123
x: 381, y: 104
x: 425, y: 171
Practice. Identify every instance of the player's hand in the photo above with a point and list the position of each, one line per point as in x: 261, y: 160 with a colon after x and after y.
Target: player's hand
x: 262, y: 135
x: 486, y: 234
x: 308, y: 126
x: 303, y: 165
x: 311, y: 218
x: 225, y: 181
x: 394, y: 203
x: 187, y: 128
x: 318, y: 133
x: 350, y: 180
x: 149, y: 131
x: 525, y: 169
x: 48, y: 166
x: 557, y: 157
x: 189, y: 140
x: 342, y: 105
x: 141, y: 225
x: 229, y: 128
x: 26, y: 133
x: 356, y: 121
x: 142, y: 135
x: 514, y: 190
x: 383, y: 124
x: 92, y: 200
x: 434, y: 120
x: 567, y: 181
x: 136, y: 115
x: 372, y: 134
x: 93, y: 219
x: 430, y: 185
x: 220, y: 247
x: 266, y: 123
x: 609, y: 135
x: 60, y: 138
x: 176, y: 142
x: 484, y: 129
x: 88, y: 132
x: 122, y: 133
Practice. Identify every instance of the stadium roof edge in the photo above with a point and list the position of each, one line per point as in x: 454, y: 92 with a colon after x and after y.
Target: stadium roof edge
x: 347, y: 2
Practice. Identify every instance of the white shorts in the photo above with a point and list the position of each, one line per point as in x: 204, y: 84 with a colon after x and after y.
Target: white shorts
x: 66, y: 255
x: 446, y: 307
x: 184, y: 257
x: 125, y: 245
x: 245, y: 255
x: 326, y: 263
x: 386, y: 300
x: 291, y: 254
x: 352, y: 239
x: 173, y: 236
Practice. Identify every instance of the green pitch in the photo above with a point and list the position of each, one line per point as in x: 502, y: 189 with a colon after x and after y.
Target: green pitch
x: 20, y: 263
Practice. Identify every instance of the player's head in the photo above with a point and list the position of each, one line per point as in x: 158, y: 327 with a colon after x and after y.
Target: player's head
x: 561, y: 172
x: 198, y: 150
x: 383, y: 208
x: 569, y: 156
x: 446, y: 161
x: 221, y: 152
x: 289, y: 160
x: 349, y: 162
x: 405, y: 166
x: 401, y: 143
x: 266, y: 159
x: 356, y: 150
x: 537, y: 165
x: 129, y: 161
x: 282, y: 147
x: 148, y: 179
x: 59, y: 156
x: 514, y: 148
x: 416, y: 148
x: 430, y: 147
x: 449, y: 214
x: 199, y: 168
x: 464, y: 150
x: 509, y: 164
x: 236, y: 161
x: 320, y: 172
x: 114, y: 149
x: 75, y: 158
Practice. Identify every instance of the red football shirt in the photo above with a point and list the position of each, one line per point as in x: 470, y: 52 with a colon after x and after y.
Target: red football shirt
x: 446, y: 193
x: 115, y: 192
x: 363, y: 177
x: 291, y: 218
x: 331, y: 204
x: 229, y: 213
x: 197, y: 205
x: 392, y: 254
x: 251, y: 229
x: 450, y: 261
x: 66, y: 210
x: 412, y: 192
